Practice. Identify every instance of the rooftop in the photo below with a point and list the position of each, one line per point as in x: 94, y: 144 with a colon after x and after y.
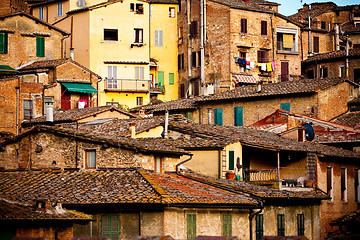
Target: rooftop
x: 179, y: 104
x: 353, y: 53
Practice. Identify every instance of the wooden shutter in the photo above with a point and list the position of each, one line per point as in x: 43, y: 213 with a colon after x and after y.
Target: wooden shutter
x: 284, y: 71
x: 218, y: 116
x: 156, y: 38
x: 343, y: 179
x: 238, y: 116
x: 161, y: 42
x: 231, y: 160
x: 136, y: 72
x: 263, y: 27
x: 243, y: 25
x: 227, y: 225
x: 3, y: 42
x: 191, y: 226
x: 301, y: 225
x: 281, y: 224
x: 141, y: 72
x: 259, y: 226
x: 182, y: 90
x: 193, y: 59
x: 40, y: 47
x: 193, y: 29
x: 171, y: 79
x: 105, y: 226
x: 285, y: 106
x: 356, y: 179
x: 316, y: 44
x: 161, y: 78
x: 328, y: 179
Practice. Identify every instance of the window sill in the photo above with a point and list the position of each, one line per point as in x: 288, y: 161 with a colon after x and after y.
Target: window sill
x: 287, y: 52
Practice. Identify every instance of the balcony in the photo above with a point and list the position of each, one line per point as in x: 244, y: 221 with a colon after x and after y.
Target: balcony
x: 157, y: 89
x: 127, y: 85
x: 281, y: 49
x: 259, y: 175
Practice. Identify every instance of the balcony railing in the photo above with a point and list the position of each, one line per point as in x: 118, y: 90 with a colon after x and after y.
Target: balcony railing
x: 127, y: 85
x: 259, y: 175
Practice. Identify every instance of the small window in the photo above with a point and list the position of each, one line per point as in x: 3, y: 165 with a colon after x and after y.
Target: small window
x: 323, y: 25
x: 41, y: 13
x: 59, y: 9
x: 160, y: 79
x: 3, y: 43
x: 139, y: 101
x: 191, y: 226
x: 171, y: 12
x: 158, y: 38
x: 344, y: 184
x: 243, y: 25
x: 323, y: 72
x: 285, y: 106
x: 263, y: 27
x: 171, y: 79
x: 90, y: 159
x: 310, y: 74
x: 227, y: 225
x: 231, y: 160
x: 181, y: 62
x: 110, y: 34
x: 110, y: 226
x: 111, y: 81
x: 132, y: 7
x: 193, y: 59
x: 189, y: 115
x: 40, y: 47
x: 286, y: 42
x: 138, y: 35
x: 218, y: 116
x: 301, y: 224
x: 193, y: 29
x: 329, y: 181
x: 139, y: 72
x: 198, y: 59
x: 259, y: 226
x: 209, y: 115
x: 357, y: 24
x: 281, y: 224
x: 48, y: 101
x: 139, y: 8
x: 342, y: 71
x: 28, y: 108
x: 262, y: 56
x: 158, y: 164
x: 182, y: 90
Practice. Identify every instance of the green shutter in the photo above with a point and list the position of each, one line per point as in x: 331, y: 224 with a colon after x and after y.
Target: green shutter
x: 171, y: 78
x: 285, y: 106
x: 231, y: 160
x: 189, y: 115
x: 161, y: 78
x: 227, y: 225
x: 238, y: 116
x: 259, y: 226
x: 3, y: 42
x: 301, y: 225
x: 218, y: 116
x: 40, y: 47
x: 281, y: 224
x: 110, y: 226
x: 191, y: 226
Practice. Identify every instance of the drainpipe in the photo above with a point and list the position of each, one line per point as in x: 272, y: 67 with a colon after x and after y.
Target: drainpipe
x: 178, y: 165
x: 337, y: 41
x: 17, y: 107
x: 166, y: 124
x: 97, y: 94
x: 310, y: 51
x: 188, y: 7
x: 251, y: 217
x: 202, y: 53
x: 63, y: 52
x: 272, y: 36
x: 347, y: 57
x: 278, y: 165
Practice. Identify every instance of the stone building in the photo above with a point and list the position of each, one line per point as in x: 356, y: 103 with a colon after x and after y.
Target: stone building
x: 12, y: 6
x: 224, y: 44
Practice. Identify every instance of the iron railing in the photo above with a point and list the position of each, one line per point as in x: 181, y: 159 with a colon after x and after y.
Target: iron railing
x: 126, y: 85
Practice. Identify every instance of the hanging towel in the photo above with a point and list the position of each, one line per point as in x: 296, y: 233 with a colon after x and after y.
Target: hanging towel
x: 288, y: 40
x: 252, y: 65
x: 273, y: 64
x: 259, y: 64
x: 268, y: 67
x: 243, y: 62
x: 263, y: 67
x: 247, y: 62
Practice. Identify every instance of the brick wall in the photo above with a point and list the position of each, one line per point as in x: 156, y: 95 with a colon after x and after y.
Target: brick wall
x: 49, y: 233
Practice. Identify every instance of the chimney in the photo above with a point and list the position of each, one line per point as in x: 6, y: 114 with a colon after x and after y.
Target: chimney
x: 49, y: 112
x: 166, y: 124
x: 301, y: 134
x: 306, y: 7
x: 72, y: 53
x: 132, y: 129
x: 258, y: 87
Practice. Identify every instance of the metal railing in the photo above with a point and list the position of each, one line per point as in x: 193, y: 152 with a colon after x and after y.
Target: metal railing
x: 126, y: 85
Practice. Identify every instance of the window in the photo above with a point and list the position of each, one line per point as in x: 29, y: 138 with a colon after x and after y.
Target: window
x: 112, y: 77
x: 158, y: 164
x: 286, y: 42
x: 196, y: 88
x: 90, y: 159
x: 343, y: 184
x: 231, y: 160
x: 193, y: 29
x: 285, y: 106
x: 243, y: 25
x: 160, y: 78
x: 3, y: 43
x: 198, y: 59
x: 110, y: 34
x: 262, y: 56
x: 281, y: 224
x: 263, y: 27
x: 191, y: 226
x: 218, y: 116
x: 182, y: 90
x: 323, y: 25
x: 316, y: 44
x: 40, y: 47
x: 357, y: 24
x: 209, y: 115
x: 180, y: 61
x: 301, y: 224
x: 323, y: 72
x: 189, y: 115
x: 357, y: 187
x: 27, y: 108
x: 139, y: 72
x: 48, y: 101
x: 171, y: 12
x: 342, y: 71
x: 193, y: 59
x: 310, y: 74
x: 158, y: 38
x: 227, y: 225
x: 41, y: 13
x: 110, y: 226
x: 59, y: 9
x: 139, y: 101
x: 138, y: 35
x: 259, y: 226
x: 171, y: 79
x: 116, y: 104
x: 329, y: 181
x: 138, y: 8
x: 238, y: 116
x: 132, y: 7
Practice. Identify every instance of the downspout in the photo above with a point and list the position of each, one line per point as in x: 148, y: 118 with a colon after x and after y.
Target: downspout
x: 189, y: 37
x: 272, y: 36
x: 347, y: 57
x: 76, y: 146
x: 310, y: 52
x: 219, y: 157
x: 17, y: 107
x: 202, y: 53
x: 166, y: 124
x: 97, y: 94
x: 251, y: 217
x: 301, y: 45
x: 178, y: 165
x: 278, y: 165
x: 71, y: 39
x: 63, y: 52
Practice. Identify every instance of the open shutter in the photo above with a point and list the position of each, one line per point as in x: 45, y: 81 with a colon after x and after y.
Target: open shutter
x: 231, y: 160
x: 161, y: 78
x: 227, y: 225
x: 238, y: 116
x: 171, y: 78
x: 316, y: 44
x: 161, y: 38
x: 3, y: 42
x: 191, y: 226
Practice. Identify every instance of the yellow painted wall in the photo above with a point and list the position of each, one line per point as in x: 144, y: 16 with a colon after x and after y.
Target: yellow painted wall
x: 154, y: 132
x: 167, y: 54
x: 203, y: 162
x: 50, y: 11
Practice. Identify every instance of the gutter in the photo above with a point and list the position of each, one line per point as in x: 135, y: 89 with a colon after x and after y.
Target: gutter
x: 251, y: 217
x: 178, y: 165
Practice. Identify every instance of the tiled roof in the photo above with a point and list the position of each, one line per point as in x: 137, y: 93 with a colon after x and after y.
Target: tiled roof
x: 254, y: 190
x: 73, y: 115
x: 127, y: 186
x: 337, y: 137
x: 35, y: 19
x: 251, y: 6
x: 313, y: 13
x: 350, y: 28
x: 263, y: 2
x: 179, y: 104
x: 274, y: 89
x: 355, y: 53
x: 164, y: 1
x: 52, y: 64
x: 10, y: 210
x: 352, y: 218
x: 351, y: 119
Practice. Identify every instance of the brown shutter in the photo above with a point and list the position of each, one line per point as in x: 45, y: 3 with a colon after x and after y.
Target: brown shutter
x: 316, y: 44
x: 263, y: 27
x: 243, y: 27
x: 328, y: 179
x: 259, y: 56
x: 343, y: 180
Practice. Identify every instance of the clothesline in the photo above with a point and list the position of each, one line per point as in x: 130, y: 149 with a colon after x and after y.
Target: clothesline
x: 265, y: 67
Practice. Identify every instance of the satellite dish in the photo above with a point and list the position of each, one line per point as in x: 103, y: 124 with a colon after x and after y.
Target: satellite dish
x: 309, y: 132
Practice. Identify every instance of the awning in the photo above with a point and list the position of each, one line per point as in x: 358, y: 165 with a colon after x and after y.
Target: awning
x: 80, y: 87
x: 239, y: 78
x: 5, y: 69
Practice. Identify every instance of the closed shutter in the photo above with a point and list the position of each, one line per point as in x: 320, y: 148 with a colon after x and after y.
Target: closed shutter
x: 243, y: 25
x: 231, y: 160
x: 238, y: 116
x: 301, y: 224
x: 285, y: 106
x: 263, y: 27
x: 161, y: 78
x: 141, y: 72
x: 191, y: 226
x: 281, y: 224
x: 343, y: 179
x: 356, y: 173
x: 137, y: 73
x: 156, y: 38
x: 3, y: 42
x: 227, y: 225
x: 161, y: 42
x: 218, y: 116
x: 316, y: 44
x: 328, y: 179
x: 40, y: 47
x: 171, y: 78
x: 259, y: 226
x: 110, y: 226
x: 193, y: 59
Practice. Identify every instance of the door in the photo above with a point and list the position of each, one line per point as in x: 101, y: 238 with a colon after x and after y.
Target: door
x: 65, y: 99
x: 284, y: 71
x: 84, y: 98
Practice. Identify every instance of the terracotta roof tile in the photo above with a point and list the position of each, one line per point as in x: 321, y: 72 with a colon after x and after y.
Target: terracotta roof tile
x: 355, y: 53
x: 351, y: 119
x: 251, y: 5
x: 179, y: 104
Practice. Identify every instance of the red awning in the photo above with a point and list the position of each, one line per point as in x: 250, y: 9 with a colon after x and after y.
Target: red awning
x: 239, y: 78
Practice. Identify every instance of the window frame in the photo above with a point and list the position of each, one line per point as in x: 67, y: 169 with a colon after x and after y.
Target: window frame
x: 28, y: 112
x: 89, y: 151
x: 41, y: 13
x: 158, y: 164
x: 111, y: 81
x: 280, y: 31
x: 263, y: 56
x: 243, y: 25
x: 172, y: 13
x: 138, y: 35
x: 263, y: 28
x: 139, y: 101
x: 342, y: 71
